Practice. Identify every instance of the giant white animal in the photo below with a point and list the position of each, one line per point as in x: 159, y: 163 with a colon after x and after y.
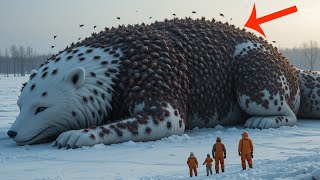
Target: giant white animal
x: 146, y: 82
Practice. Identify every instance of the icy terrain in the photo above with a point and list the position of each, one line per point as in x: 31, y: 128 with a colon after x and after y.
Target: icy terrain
x: 285, y: 153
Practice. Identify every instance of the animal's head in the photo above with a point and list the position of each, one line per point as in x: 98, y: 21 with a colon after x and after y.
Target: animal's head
x: 62, y: 95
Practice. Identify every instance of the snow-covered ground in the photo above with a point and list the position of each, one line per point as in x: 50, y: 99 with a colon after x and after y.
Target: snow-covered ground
x: 285, y: 153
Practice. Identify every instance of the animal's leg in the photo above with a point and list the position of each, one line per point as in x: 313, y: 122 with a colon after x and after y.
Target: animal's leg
x: 275, y: 115
x: 151, y: 123
x: 266, y: 89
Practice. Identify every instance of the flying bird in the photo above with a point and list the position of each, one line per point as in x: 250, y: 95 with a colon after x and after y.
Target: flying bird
x: 230, y: 19
x: 222, y: 15
x: 274, y: 41
x: 79, y: 39
x: 94, y: 27
x: 81, y: 25
x: 193, y: 12
x: 54, y: 37
x: 174, y: 14
x: 118, y: 18
x: 52, y: 47
x: 150, y: 17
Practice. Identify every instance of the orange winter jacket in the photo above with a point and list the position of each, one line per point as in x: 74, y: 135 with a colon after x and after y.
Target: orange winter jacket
x: 245, y: 144
x: 218, y: 150
x: 208, y: 161
x: 192, y: 162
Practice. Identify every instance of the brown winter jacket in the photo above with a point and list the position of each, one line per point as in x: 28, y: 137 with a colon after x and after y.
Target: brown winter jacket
x: 218, y: 150
x: 208, y: 161
x: 192, y: 162
x: 245, y: 144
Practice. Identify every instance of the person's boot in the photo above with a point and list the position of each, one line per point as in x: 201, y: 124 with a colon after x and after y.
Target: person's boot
x: 250, y: 166
x: 243, y: 169
x: 217, y: 171
x: 222, y: 170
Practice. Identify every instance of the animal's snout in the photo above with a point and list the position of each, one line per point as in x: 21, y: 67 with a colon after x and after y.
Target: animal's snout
x: 12, y: 134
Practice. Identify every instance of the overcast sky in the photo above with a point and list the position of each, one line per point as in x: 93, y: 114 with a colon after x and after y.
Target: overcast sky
x: 35, y: 22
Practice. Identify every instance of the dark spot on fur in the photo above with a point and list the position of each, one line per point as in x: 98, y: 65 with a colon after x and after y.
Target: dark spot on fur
x: 55, y: 71
x: 93, y: 114
x: 69, y: 57
x: 93, y: 74
x: 85, y: 130
x: 74, y: 114
x: 32, y: 87
x: 279, y: 109
x: 106, y: 49
x: 91, y: 98
x: 58, y: 59
x: 103, y: 96
x: 85, y: 99
x: 107, y: 74
x: 44, y: 74
x: 148, y: 130
x: 44, y: 94
x: 112, y: 70
x: 95, y: 92
x: 116, y: 55
x: 80, y: 54
x: 92, y: 137
x: 82, y: 58
x: 96, y: 57
x: 180, y: 123
x: 114, y: 61
x: 75, y: 51
x: 99, y: 83
x: 104, y: 62
x: 89, y: 51
x: 169, y: 125
x: 121, y: 125
x: 44, y: 69
x: 32, y: 75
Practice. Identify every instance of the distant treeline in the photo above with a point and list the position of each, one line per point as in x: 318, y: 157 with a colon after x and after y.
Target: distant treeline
x: 20, y: 60
x: 306, y: 57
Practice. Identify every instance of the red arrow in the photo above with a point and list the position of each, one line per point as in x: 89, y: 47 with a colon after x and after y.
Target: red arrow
x: 254, y: 22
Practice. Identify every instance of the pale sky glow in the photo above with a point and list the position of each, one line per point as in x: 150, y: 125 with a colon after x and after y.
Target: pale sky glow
x: 35, y: 22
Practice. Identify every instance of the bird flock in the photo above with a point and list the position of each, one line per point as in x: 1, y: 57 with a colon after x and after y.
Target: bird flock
x: 118, y: 18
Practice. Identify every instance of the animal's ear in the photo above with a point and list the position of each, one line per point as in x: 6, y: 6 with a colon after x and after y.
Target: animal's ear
x: 76, y: 77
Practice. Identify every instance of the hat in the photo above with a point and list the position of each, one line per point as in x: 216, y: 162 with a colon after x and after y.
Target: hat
x: 218, y: 139
x: 191, y: 154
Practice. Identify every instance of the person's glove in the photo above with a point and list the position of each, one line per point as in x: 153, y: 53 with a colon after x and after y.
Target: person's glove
x: 213, y: 156
x: 203, y: 164
x: 225, y: 156
x: 251, y: 154
x: 239, y: 153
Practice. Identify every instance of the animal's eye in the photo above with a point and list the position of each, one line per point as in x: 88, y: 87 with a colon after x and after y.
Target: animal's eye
x: 40, y: 109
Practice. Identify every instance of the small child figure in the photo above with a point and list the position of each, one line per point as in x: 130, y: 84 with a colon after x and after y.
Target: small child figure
x: 193, y: 164
x: 208, y: 161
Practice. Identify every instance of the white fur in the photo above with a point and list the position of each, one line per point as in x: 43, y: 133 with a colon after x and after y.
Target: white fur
x: 78, y: 138
x: 63, y: 97
x: 245, y: 45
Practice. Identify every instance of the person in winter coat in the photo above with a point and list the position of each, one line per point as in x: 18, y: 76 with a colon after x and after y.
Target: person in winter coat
x: 245, y: 150
x: 193, y: 164
x: 219, y: 154
x: 208, y: 161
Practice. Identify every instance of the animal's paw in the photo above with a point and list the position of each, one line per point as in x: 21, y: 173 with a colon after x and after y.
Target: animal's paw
x: 75, y: 139
x: 265, y: 122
